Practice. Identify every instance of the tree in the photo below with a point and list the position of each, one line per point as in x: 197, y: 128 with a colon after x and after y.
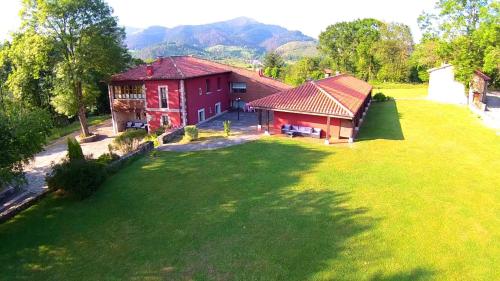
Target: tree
x: 470, y: 28
x: 369, y: 48
x: 23, y: 132
x: 425, y: 55
x: 304, y: 69
x: 393, y: 52
x: 87, y: 42
x: 273, y: 64
x: 5, y: 69
x: 32, y: 60
x: 338, y: 42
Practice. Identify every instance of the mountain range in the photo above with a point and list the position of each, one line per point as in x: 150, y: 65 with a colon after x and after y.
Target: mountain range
x: 242, y: 38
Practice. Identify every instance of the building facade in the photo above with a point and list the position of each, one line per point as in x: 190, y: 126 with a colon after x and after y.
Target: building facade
x: 335, y: 106
x: 183, y: 90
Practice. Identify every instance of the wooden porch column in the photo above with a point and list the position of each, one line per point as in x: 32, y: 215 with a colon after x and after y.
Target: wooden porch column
x: 327, y: 139
x: 268, y: 131
x: 259, y: 126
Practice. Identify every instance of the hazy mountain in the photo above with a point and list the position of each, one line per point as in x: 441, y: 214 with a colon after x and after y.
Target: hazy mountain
x: 238, y: 32
x: 296, y: 50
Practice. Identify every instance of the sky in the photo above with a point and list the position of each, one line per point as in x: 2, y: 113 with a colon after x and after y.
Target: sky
x: 308, y: 17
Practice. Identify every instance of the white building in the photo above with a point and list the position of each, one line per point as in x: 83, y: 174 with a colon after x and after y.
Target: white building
x: 444, y: 88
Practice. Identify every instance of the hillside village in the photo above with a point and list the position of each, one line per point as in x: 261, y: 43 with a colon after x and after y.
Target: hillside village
x: 243, y: 150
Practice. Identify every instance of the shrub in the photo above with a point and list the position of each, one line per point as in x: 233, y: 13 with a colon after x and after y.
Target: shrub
x: 129, y: 140
x: 190, y: 133
x: 153, y: 138
x: 79, y: 178
x: 379, y: 97
x: 107, y: 158
x: 227, y: 127
x: 75, y: 151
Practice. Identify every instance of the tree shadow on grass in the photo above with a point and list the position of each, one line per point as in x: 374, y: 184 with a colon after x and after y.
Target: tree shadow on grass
x: 253, y: 218
x: 243, y: 213
x: 382, y: 122
x: 412, y: 275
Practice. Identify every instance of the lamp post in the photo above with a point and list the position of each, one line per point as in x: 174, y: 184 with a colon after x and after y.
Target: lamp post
x: 238, y: 105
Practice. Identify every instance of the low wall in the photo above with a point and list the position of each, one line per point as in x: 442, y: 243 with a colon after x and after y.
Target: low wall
x: 169, y: 136
x: 142, y: 149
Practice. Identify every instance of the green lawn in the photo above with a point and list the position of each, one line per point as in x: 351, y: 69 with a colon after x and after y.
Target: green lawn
x: 416, y: 198
x: 401, y: 91
x: 60, y: 132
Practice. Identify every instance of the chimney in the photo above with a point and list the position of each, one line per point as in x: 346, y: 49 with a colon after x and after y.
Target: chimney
x: 149, y: 70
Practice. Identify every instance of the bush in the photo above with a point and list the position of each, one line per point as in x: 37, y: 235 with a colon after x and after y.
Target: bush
x: 379, y: 97
x: 190, y: 133
x: 75, y: 151
x: 107, y: 158
x: 227, y: 128
x: 129, y: 140
x: 153, y: 138
x: 79, y: 178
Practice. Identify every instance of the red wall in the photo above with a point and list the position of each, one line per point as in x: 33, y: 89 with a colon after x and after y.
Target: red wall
x: 195, y: 101
x: 282, y: 118
x: 152, y: 93
x: 152, y: 99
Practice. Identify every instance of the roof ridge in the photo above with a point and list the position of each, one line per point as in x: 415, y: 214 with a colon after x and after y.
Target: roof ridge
x: 176, y: 68
x: 331, y: 97
x: 240, y: 68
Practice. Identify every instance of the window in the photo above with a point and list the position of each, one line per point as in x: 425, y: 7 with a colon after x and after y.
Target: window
x: 207, y: 85
x: 238, y: 87
x: 163, y: 90
x: 201, y: 115
x: 217, y: 108
x: 218, y: 83
x: 165, y: 120
x: 128, y: 92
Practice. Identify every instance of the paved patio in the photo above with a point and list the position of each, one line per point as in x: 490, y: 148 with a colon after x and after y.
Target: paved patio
x: 243, y: 130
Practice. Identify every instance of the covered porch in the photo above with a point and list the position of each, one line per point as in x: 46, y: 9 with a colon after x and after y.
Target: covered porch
x: 329, y: 128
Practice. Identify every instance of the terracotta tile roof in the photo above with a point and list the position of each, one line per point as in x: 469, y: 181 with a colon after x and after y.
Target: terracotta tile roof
x: 254, y: 75
x: 175, y: 67
x: 341, y: 95
x: 182, y: 67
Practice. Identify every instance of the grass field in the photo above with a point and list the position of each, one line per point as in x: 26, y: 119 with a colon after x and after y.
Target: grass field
x: 401, y: 91
x: 416, y: 198
x: 60, y: 132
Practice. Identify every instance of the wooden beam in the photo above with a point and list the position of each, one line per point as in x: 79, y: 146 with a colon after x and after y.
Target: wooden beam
x: 327, y: 140
x: 268, y: 122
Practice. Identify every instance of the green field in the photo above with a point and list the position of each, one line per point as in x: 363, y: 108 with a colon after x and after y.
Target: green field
x: 415, y: 198
x: 401, y: 90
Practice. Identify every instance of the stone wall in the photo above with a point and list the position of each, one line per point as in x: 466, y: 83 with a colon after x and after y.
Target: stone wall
x: 169, y: 136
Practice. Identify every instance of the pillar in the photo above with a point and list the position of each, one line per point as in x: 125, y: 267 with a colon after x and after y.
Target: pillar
x: 327, y: 139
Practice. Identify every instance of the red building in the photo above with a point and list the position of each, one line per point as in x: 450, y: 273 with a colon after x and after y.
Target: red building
x: 334, y: 105
x: 183, y: 90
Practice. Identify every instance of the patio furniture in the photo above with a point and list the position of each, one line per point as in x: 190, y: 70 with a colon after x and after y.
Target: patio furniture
x: 136, y: 125
x: 294, y: 130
